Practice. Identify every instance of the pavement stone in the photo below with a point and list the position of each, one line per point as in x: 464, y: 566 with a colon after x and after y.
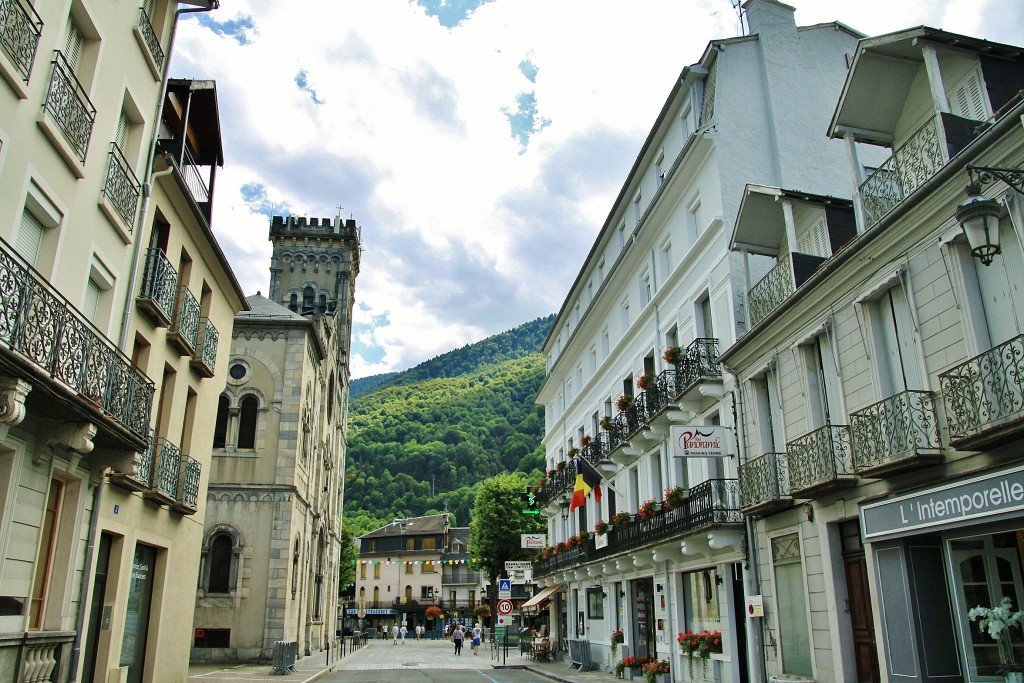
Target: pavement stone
x: 382, y: 654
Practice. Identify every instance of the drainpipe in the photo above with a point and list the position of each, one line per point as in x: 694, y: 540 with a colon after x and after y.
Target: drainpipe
x: 147, y: 183
x: 90, y: 548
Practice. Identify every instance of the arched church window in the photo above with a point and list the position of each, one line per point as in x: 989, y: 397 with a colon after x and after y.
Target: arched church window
x: 293, y: 303
x: 247, y: 413
x: 220, y: 427
x: 221, y: 555
x: 308, y: 299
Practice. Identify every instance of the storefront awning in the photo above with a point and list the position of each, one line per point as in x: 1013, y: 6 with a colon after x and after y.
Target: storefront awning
x: 534, y: 604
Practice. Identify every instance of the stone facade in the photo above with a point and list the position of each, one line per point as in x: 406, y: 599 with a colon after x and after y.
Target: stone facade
x: 271, y: 539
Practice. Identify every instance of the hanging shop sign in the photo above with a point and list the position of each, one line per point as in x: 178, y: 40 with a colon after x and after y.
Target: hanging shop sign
x: 533, y: 541
x: 698, y: 441
x: 960, y: 503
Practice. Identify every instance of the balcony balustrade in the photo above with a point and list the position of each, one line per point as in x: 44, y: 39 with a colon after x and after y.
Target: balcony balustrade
x: 910, y: 165
x: 39, y: 325
x: 159, y: 287
x: 68, y: 105
x: 558, y: 484
x: 121, y: 187
x: 764, y: 485
x: 779, y: 283
x: 895, y: 434
x: 20, y: 28
x: 455, y: 576
x: 711, y: 504
x: 184, y: 329
x: 194, y: 180
x: 820, y: 461
x: 166, y: 471
x: 188, y: 486
x: 984, y: 396
x: 205, y: 359
x: 699, y: 363
x: 35, y: 656
x: 151, y: 39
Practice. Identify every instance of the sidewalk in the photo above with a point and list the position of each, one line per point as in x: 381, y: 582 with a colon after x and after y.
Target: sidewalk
x: 381, y: 654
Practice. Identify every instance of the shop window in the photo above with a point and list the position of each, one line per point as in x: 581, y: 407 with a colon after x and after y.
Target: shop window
x: 248, y: 410
x: 701, y: 601
x: 791, y: 596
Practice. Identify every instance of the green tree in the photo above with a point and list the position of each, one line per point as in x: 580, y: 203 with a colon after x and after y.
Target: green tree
x: 496, y: 528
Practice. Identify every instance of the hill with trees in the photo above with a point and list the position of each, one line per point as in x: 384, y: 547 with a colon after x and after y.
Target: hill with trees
x: 421, y: 441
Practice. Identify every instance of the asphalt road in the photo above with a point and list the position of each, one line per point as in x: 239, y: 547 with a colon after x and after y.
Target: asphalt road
x: 487, y: 675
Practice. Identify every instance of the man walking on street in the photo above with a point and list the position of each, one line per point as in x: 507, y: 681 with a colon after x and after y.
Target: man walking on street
x: 403, y: 632
x: 394, y: 634
x: 457, y: 638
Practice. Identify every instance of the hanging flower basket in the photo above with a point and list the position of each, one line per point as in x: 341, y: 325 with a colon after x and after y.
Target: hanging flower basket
x: 622, y: 518
x: 624, y: 403
x: 606, y: 423
x: 646, y: 381
x: 586, y: 441
x: 673, y: 355
x: 433, y: 612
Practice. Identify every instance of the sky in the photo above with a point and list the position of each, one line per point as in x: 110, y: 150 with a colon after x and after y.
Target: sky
x: 478, y: 144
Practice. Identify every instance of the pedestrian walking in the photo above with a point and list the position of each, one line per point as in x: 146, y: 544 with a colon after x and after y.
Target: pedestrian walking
x: 419, y: 632
x: 457, y: 636
x: 447, y: 631
x: 477, y: 634
x: 394, y: 634
x: 403, y: 632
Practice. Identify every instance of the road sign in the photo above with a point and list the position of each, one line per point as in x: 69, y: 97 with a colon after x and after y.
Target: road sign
x: 504, y: 588
x: 504, y: 607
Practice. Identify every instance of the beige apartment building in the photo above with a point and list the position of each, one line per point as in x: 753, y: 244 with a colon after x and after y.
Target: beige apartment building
x: 113, y: 292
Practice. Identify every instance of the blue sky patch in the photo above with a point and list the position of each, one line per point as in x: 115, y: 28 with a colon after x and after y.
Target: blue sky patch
x: 242, y: 28
x: 255, y: 197
x: 529, y: 69
x: 364, y: 344
x: 450, y: 13
x: 302, y: 80
x: 524, y: 120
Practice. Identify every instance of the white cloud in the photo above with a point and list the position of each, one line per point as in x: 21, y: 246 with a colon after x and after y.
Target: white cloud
x: 465, y: 234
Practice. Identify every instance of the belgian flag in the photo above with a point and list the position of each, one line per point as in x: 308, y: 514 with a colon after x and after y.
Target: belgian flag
x: 587, y: 479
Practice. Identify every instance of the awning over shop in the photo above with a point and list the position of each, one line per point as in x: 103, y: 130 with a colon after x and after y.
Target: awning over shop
x: 533, y: 605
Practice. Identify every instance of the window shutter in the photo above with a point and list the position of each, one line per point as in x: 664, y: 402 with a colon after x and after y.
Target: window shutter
x: 73, y: 44
x: 814, y: 241
x: 91, y: 301
x: 122, y: 132
x: 30, y: 237
x: 967, y: 98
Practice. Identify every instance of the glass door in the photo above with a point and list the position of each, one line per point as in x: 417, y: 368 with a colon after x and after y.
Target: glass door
x: 136, y: 620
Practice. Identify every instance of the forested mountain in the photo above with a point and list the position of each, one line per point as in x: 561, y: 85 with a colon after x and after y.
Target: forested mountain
x: 358, y: 387
x: 420, y: 441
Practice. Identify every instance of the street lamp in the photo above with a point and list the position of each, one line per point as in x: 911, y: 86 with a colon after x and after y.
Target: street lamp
x: 564, y: 506
x: 978, y: 215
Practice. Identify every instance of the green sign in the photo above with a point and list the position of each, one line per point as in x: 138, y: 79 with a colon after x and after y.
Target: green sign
x: 531, y: 505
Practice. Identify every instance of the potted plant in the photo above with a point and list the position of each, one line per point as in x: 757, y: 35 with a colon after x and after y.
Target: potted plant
x: 622, y: 518
x: 602, y: 527
x: 673, y: 355
x: 646, y: 381
x: 560, y: 547
x: 482, y: 611
x: 551, y: 474
x: 617, y: 639
x: 573, y: 452
x: 620, y: 668
x: 606, y: 423
x: 433, y: 612
x: 624, y: 403
x: 648, y: 508
x: 586, y: 440
x: 582, y: 537
x: 560, y: 466
x: 702, y: 645
x: 655, y: 670
x: 998, y: 622
x: 675, y: 496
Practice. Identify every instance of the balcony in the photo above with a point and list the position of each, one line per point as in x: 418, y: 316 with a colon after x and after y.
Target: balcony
x: 698, y: 376
x: 820, y: 462
x: 35, y: 656
x: 164, y: 481
x: 558, y: 484
x: 764, y: 485
x: 159, y: 287
x: 150, y: 40
x: 184, y: 330
x: 20, y: 28
x: 188, y: 486
x: 69, y: 107
x: 140, y: 474
x: 780, y: 283
x: 897, y: 434
x: 204, y: 362
x: 121, y: 188
x: 191, y: 140
x: 984, y: 396
x: 40, y: 326
x: 711, y: 505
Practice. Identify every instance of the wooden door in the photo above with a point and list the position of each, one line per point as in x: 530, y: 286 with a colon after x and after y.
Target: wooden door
x: 861, y: 618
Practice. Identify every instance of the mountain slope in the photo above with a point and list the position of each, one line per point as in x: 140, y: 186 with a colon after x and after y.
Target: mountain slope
x: 419, y: 442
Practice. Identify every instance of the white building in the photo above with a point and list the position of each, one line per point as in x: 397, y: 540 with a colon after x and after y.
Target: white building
x: 880, y: 391
x: 660, y: 275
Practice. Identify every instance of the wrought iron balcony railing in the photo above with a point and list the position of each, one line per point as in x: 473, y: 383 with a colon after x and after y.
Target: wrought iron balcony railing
x: 764, y: 484
x: 558, y: 484
x: 69, y: 106
x: 20, y: 28
x: 122, y: 187
x: 710, y: 504
x: 897, y: 433
x: 38, y: 323
x: 166, y: 470
x: 159, y: 286
x: 184, y: 329
x: 910, y: 165
x: 457, y: 575
x: 188, y: 486
x: 699, y: 362
x: 151, y: 38
x: 205, y: 358
x: 820, y: 460
x: 985, y: 392
x: 779, y: 283
x: 193, y: 178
